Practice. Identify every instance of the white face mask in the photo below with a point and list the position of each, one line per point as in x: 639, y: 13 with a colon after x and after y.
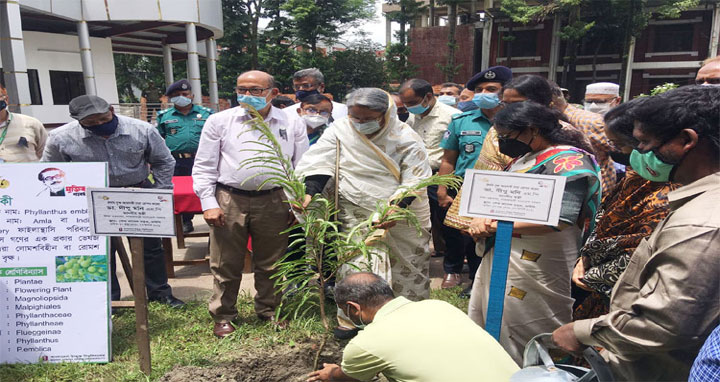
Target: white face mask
x: 314, y: 121
x: 597, y: 108
x: 181, y: 101
x: 366, y: 128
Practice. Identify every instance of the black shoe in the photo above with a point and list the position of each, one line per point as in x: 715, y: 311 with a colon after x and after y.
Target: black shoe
x: 345, y: 333
x: 170, y: 300
x: 466, y: 292
x: 188, y: 227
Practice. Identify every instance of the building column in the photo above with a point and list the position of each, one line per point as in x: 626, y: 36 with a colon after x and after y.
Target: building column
x: 554, y: 48
x: 486, y: 42
x: 86, y: 58
x: 388, y: 32
x: 211, y: 50
x: 193, y: 63
x: 629, y: 72
x: 12, y: 50
x: 168, y: 65
x: 715, y: 32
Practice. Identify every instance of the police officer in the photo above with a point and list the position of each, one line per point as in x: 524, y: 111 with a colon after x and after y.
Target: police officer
x: 181, y: 125
x: 461, y: 146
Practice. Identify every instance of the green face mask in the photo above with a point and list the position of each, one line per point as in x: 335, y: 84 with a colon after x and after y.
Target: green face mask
x: 650, y: 167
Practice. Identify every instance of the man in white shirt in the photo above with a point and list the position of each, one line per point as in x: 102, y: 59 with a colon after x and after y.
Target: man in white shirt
x: 234, y: 203
x: 311, y: 81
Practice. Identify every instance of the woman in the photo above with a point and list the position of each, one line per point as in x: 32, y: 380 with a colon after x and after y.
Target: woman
x: 379, y: 155
x: 628, y: 214
x: 537, y: 297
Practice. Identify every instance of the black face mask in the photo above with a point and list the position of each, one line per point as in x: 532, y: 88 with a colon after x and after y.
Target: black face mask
x: 3, y: 105
x: 618, y: 157
x: 105, y: 129
x: 403, y: 116
x: 514, y: 148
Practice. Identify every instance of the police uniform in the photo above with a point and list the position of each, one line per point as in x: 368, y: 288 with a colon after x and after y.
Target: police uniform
x: 465, y: 134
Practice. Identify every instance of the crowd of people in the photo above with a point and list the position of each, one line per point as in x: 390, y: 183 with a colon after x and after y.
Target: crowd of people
x: 632, y: 267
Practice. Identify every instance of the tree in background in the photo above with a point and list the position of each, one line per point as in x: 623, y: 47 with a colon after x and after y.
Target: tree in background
x: 397, y: 54
x: 450, y: 69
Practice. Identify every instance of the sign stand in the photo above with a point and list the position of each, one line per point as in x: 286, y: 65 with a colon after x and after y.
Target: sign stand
x: 498, y: 278
x: 141, y: 304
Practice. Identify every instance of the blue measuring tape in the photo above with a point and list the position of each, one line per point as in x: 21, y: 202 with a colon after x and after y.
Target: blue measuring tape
x: 498, y: 278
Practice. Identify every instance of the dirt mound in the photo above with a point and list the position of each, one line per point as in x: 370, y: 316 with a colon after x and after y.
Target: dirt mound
x: 278, y: 364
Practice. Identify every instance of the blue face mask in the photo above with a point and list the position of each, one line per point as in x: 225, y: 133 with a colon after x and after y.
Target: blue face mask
x: 301, y: 94
x: 105, y: 129
x: 181, y: 101
x: 256, y: 102
x: 417, y: 109
x: 466, y: 106
x: 447, y: 100
x: 486, y: 100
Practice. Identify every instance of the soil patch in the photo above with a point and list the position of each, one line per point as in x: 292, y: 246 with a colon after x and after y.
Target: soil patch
x: 267, y: 365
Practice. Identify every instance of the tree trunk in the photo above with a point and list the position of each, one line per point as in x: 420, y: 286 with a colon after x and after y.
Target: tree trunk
x: 452, y: 44
x: 508, y: 51
x: 431, y: 14
x: 255, y: 17
x: 626, y: 44
x: 594, y: 61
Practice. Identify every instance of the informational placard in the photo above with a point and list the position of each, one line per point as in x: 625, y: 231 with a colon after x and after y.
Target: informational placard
x: 137, y: 212
x: 511, y: 196
x: 54, y: 274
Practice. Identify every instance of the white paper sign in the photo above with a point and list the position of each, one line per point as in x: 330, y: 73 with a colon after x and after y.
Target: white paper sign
x: 512, y: 196
x: 137, y: 212
x: 54, y: 273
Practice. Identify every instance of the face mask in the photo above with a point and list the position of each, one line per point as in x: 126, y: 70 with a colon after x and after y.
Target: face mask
x: 447, y: 100
x: 256, y: 102
x: 705, y: 84
x: 3, y: 105
x: 486, y: 100
x: 514, y: 148
x: 597, y: 108
x: 366, y: 128
x: 622, y: 158
x: 314, y: 121
x: 181, y: 101
x: 301, y: 94
x: 361, y: 325
x: 403, y: 116
x: 466, y: 106
x: 105, y: 129
x: 417, y: 109
x: 650, y: 167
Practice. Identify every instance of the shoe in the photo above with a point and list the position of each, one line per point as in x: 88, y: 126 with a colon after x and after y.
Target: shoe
x: 466, y: 292
x: 188, y: 227
x: 451, y: 280
x: 170, y: 301
x: 223, y: 329
x: 343, y: 333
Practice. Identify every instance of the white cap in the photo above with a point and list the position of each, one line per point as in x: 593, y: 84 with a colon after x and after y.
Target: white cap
x: 603, y: 88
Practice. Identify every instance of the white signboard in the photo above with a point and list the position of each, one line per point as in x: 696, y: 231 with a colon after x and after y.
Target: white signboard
x: 512, y: 196
x: 131, y: 212
x: 54, y: 273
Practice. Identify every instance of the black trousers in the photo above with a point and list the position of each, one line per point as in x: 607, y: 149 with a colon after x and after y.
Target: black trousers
x: 156, y: 279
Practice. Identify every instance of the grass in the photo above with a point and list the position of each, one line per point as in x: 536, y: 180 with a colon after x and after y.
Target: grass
x: 183, y: 338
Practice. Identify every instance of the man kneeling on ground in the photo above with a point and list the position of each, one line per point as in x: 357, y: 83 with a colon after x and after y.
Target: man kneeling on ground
x: 401, y: 338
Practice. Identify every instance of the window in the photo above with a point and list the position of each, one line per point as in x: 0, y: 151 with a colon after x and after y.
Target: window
x: 35, y: 94
x: 523, y: 44
x: 607, y: 45
x: 674, y: 38
x: 66, y: 86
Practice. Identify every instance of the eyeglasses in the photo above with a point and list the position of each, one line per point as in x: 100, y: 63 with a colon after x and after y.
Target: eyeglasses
x: 52, y: 177
x: 711, y: 81
x: 253, y: 91
x: 507, y: 136
x: 304, y: 87
x: 317, y: 112
x: 598, y: 101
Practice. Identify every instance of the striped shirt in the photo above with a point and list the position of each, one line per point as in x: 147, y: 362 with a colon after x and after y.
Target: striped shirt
x: 24, y: 139
x: 593, y: 126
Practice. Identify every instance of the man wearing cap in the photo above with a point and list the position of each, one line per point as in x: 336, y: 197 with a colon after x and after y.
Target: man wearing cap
x: 133, y: 149
x: 181, y: 125
x: 600, y: 97
x: 22, y: 137
x: 462, y: 143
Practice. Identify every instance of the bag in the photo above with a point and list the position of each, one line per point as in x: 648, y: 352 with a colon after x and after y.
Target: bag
x: 453, y: 219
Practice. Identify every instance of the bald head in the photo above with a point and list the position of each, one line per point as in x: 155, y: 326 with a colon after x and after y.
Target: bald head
x: 364, y: 288
x: 258, y: 77
x: 709, y: 73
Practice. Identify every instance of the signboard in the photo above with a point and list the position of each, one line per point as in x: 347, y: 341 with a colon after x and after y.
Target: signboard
x: 54, y: 273
x: 137, y: 212
x: 511, y: 196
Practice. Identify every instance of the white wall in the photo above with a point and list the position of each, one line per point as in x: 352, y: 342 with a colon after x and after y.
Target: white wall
x: 47, y: 51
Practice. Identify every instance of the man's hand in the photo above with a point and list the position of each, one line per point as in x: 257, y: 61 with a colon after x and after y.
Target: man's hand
x: 305, y: 203
x: 579, y: 273
x: 564, y: 338
x: 444, y: 200
x: 214, y: 217
x: 325, y: 374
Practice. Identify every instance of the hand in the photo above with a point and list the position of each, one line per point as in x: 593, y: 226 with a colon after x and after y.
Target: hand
x: 579, y: 273
x: 388, y: 223
x: 482, y: 227
x: 215, y: 217
x: 444, y: 200
x: 564, y: 338
x: 324, y: 374
x: 305, y: 203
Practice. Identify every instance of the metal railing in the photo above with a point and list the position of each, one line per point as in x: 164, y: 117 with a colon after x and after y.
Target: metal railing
x: 144, y: 111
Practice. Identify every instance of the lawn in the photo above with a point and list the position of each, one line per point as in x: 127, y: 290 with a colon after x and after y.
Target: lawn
x: 183, y: 338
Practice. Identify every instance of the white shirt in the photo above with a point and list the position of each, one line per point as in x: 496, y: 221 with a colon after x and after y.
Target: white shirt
x: 431, y: 128
x: 223, y: 147
x: 339, y: 111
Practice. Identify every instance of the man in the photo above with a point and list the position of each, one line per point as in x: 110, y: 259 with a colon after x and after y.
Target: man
x: 449, y: 93
x: 465, y: 100
x: 152, y: 99
x: 709, y: 73
x: 133, y: 149
x: 235, y: 205
x: 316, y: 111
x: 424, y: 341
x: 282, y: 102
x: 311, y: 81
x: 53, y: 180
x: 180, y: 126
x: 461, y: 145
x: 667, y: 302
x: 402, y: 112
x: 600, y: 97
x: 593, y: 126
x: 22, y: 138
x: 430, y: 119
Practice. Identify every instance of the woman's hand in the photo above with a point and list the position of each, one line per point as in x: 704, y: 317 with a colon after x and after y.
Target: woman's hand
x: 305, y: 203
x: 579, y: 272
x: 386, y: 224
x: 482, y: 227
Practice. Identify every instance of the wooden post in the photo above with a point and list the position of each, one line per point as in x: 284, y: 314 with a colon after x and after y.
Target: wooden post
x: 141, y: 310
x: 124, y: 259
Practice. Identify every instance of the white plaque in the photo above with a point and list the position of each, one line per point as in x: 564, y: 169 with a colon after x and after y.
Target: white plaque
x: 512, y: 196
x: 139, y: 212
